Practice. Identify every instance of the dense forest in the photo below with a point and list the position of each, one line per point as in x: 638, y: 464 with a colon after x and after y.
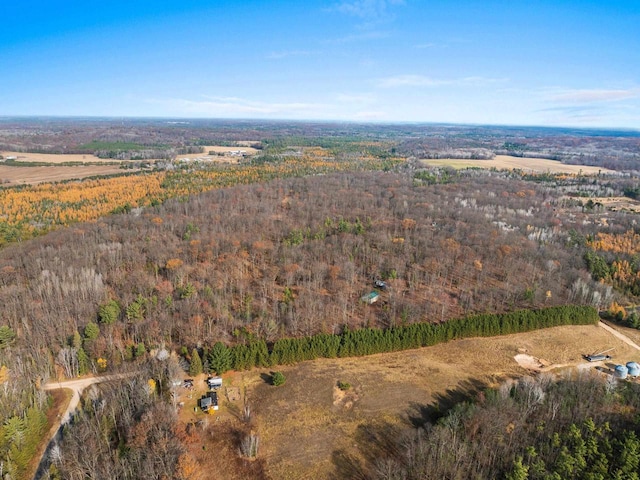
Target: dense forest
x: 293, y: 257
x: 278, y: 261
x: 27, y: 211
x: 289, y: 258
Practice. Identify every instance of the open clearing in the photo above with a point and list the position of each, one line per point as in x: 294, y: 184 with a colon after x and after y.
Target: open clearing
x: 218, y: 149
x: 56, y: 158
x: 55, y: 172
x: 221, y: 153
x: 616, y: 204
x: 307, y: 424
x: 506, y: 162
x: 10, y: 175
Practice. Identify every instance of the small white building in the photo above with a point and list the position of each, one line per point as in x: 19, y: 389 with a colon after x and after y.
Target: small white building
x: 214, y: 382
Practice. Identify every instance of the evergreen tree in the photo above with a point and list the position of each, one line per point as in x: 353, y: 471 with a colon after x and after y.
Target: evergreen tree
x: 519, y: 472
x: 91, y: 331
x: 195, y: 366
x: 109, y: 312
x: 84, y: 364
x: 6, y: 336
x: 76, y: 340
x: 260, y: 353
x: 278, y: 379
x: 220, y: 358
x: 140, y: 350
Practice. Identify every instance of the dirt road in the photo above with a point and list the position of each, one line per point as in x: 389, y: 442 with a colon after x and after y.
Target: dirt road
x: 619, y: 335
x: 76, y: 387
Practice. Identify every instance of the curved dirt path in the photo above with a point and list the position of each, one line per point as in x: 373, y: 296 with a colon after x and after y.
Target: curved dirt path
x: 619, y: 335
x: 76, y: 387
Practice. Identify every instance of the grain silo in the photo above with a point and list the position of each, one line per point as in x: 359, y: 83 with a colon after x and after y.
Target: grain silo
x: 620, y: 371
x: 634, y: 369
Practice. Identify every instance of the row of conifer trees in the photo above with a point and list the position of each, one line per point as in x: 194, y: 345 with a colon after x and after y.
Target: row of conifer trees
x: 367, y: 341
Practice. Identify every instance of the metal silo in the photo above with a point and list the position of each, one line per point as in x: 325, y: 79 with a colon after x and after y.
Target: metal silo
x: 634, y: 369
x: 620, y: 371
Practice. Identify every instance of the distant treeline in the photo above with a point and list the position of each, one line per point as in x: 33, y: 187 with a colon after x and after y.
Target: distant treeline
x: 368, y: 341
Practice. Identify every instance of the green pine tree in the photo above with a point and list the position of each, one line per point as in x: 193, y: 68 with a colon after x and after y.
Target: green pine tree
x: 109, y: 312
x: 195, y: 366
x: 220, y: 358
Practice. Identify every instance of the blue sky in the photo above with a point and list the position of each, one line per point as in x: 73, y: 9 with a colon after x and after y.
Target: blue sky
x: 535, y: 62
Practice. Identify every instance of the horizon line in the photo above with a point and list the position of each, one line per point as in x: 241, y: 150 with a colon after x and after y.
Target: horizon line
x: 4, y: 117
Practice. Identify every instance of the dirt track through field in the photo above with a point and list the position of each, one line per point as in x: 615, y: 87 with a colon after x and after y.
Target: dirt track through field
x: 619, y: 335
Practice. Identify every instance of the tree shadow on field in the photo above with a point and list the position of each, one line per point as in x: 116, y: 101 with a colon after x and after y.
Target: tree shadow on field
x: 420, y: 414
x: 379, y: 443
x: 346, y: 466
x: 374, y: 441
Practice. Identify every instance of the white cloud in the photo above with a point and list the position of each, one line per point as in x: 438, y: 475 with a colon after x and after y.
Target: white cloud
x: 289, y: 53
x: 356, y: 99
x: 480, y: 81
x: 359, y: 37
x: 370, y: 115
x: 594, y: 95
x: 424, y: 81
x: 239, y: 107
x: 409, y: 81
x: 366, y: 9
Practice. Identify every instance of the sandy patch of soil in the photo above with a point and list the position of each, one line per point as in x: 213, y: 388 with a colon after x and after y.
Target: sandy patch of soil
x: 530, y: 362
x: 344, y: 398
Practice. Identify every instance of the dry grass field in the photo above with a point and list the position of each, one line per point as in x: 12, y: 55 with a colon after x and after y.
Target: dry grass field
x: 619, y: 203
x: 55, y: 158
x: 505, y: 162
x: 222, y: 154
x: 55, y: 172
x: 17, y: 175
x: 307, y: 425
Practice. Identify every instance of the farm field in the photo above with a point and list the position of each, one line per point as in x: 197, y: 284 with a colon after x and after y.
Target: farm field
x: 221, y: 149
x: 56, y: 158
x: 222, y: 153
x: 506, y: 162
x: 20, y: 175
x: 309, y: 428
